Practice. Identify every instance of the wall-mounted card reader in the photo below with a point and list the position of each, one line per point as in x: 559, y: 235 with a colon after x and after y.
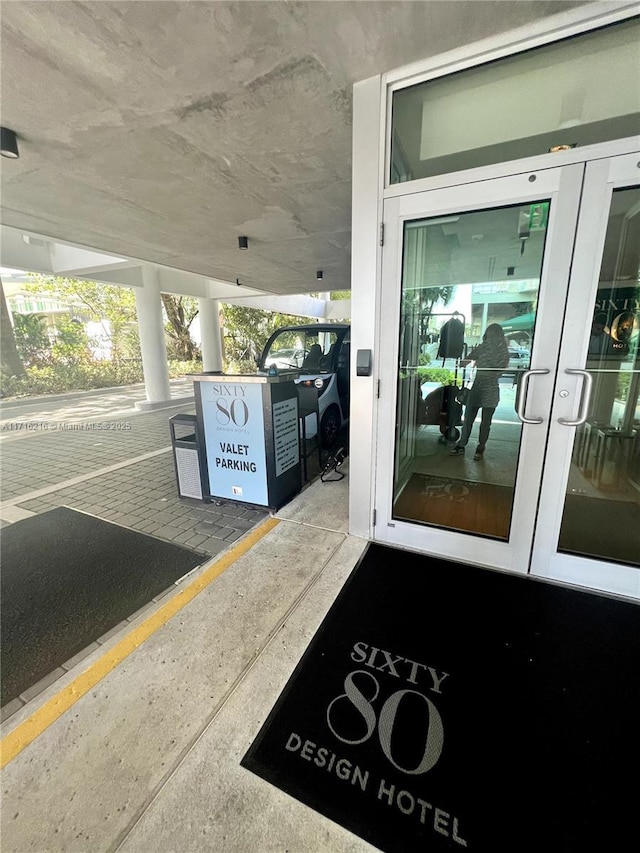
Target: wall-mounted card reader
x: 363, y: 362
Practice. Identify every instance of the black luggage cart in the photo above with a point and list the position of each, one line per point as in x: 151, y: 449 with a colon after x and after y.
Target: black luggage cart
x: 444, y: 407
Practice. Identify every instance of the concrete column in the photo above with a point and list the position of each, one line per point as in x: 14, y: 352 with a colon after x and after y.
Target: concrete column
x: 210, y: 335
x: 152, y: 342
x: 326, y: 297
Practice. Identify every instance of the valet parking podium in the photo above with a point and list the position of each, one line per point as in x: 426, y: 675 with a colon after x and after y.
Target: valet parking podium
x: 250, y: 435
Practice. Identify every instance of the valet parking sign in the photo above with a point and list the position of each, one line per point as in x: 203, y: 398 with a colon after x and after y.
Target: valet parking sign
x: 233, y: 423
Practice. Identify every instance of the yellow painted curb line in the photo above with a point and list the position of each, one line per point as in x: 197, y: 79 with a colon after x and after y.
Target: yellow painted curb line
x: 33, y: 726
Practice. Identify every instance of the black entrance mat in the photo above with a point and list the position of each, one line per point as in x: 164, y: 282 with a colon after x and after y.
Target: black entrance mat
x: 466, y: 505
x: 67, y: 579
x: 445, y: 707
x: 601, y: 527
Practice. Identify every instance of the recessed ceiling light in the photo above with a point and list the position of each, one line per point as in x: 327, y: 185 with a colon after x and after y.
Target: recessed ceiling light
x: 8, y: 143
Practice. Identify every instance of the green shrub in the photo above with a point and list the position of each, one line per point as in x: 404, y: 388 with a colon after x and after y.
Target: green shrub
x: 60, y: 378
x: 72, y: 345
x: 241, y: 366
x: 435, y: 374
x: 182, y: 368
x: 32, y: 339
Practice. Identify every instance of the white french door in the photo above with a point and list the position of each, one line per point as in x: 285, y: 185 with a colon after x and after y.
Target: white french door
x: 588, y: 523
x: 542, y: 255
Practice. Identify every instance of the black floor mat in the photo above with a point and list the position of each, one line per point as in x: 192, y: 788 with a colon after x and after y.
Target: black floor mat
x: 441, y: 707
x: 67, y: 579
x: 599, y: 527
x: 455, y: 504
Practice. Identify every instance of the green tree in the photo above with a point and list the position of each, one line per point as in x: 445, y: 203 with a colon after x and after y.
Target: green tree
x: 10, y: 361
x: 72, y: 342
x: 428, y: 297
x: 418, y: 303
x: 112, y: 306
x: 115, y: 308
x: 181, y: 311
x: 417, y: 308
x: 32, y: 339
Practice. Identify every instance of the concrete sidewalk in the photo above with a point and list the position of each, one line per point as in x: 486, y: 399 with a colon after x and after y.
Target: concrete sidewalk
x: 87, y: 404
x: 148, y: 759
x: 98, y: 454
x: 117, y: 466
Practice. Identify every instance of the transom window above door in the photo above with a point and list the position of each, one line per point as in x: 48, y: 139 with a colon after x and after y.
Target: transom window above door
x: 575, y: 92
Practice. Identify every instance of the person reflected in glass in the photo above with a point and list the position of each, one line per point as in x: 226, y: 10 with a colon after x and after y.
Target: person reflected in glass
x: 599, y: 337
x: 490, y: 357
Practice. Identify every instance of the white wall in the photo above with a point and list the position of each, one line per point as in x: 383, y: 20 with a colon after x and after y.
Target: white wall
x: 365, y: 259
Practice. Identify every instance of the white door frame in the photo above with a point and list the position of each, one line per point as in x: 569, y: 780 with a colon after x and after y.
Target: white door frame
x: 601, y: 178
x: 580, y: 196
x: 563, y: 188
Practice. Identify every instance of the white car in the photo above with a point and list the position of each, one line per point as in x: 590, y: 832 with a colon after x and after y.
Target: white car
x: 519, y: 359
x: 285, y: 359
x: 319, y: 353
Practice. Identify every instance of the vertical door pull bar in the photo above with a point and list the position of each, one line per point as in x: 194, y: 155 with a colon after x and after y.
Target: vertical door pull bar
x: 521, y: 396
x: 584, y: 399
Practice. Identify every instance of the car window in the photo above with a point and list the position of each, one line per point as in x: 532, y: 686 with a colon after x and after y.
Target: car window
x: 286, y: 351
x: 305, y: 349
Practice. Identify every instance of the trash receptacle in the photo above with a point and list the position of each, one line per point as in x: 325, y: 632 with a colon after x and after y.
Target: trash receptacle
x: 187, y: 456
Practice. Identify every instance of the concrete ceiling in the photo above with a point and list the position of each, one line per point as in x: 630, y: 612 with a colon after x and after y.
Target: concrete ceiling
x: 162, y: 131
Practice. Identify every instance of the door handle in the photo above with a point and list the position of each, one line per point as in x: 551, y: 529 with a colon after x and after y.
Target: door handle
x: 521, y: 396
x: 585, y: 397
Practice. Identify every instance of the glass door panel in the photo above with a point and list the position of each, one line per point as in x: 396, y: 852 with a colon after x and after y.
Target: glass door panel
x: 601, y: 515
x: 588, y: 523
x: 469, y: 296
x: 460, y: 264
